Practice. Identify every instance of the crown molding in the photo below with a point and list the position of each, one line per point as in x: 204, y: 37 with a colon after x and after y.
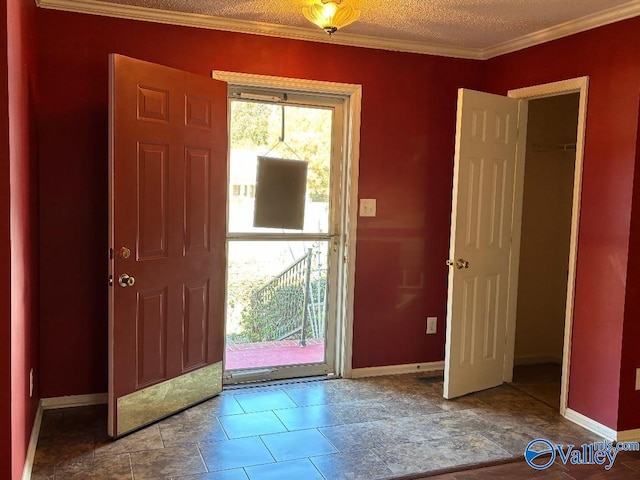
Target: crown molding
x: 131, y: 12
x: 599, y: 19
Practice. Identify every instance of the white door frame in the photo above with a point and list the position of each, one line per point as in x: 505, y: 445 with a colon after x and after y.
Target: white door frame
x: 575, y: 85
x: 352, y: 98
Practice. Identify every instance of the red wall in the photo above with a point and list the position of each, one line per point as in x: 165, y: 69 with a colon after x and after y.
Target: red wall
x: 5, y: 261
x: 19, y: 336
x: 24, y: 229
x: 629, y: 415
x: 408, y: 119
x: 610, y: 56
x: 407, y: 145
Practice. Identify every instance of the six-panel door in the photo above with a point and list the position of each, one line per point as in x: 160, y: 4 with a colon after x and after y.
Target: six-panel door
x: 481, y: 223
x: 168, y: 173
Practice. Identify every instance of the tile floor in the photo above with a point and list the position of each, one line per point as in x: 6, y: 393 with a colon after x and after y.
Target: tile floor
x: 374, y: 428
x: 541, y: 381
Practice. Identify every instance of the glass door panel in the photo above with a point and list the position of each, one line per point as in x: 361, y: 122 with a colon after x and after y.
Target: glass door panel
x: 280, y: 312
x: 307, y: 137
x: 276, y: 303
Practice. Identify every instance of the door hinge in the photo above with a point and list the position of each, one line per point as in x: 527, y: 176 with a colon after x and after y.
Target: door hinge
x: 111, y: 254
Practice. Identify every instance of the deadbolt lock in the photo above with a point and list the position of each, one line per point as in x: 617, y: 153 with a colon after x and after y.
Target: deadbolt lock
x: 124, y: 253
x: 125, y: 280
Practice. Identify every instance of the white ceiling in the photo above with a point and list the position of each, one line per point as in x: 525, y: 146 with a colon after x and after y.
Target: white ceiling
x: 458, y: 28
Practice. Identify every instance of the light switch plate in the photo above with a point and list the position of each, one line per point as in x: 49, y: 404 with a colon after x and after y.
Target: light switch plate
x: 432, y: 325
x: 367, y: 207
x: 637, y: 378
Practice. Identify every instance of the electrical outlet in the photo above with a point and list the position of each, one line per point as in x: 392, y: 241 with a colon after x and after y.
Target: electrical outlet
x: 31, y: 383
x: 432, y: 325
x: 637, y: 378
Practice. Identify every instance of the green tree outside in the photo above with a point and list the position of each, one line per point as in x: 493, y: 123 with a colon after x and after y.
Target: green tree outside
x: 258, y: 126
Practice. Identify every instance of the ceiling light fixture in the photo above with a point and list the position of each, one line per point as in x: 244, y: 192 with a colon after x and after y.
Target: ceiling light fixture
x: 330, y: 15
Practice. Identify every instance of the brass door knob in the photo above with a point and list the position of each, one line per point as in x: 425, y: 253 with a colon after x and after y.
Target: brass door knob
x: 460, y: 264
x: 125, y: 280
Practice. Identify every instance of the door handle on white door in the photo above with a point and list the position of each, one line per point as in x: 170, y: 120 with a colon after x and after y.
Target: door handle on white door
x: 460, y: 263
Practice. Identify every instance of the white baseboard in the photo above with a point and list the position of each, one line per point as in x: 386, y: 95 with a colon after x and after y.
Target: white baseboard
x: 602, y: 430
x: 396, y: 369
x: 74, y: 401
x: 585, y: 422
x: 629, y: 435
x: 537, y: 359
x: 50, y: 404
x: 33, y: 443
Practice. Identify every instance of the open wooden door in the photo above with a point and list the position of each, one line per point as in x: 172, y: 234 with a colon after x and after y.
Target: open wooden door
x: 167, y: 189
x: 486, y: 137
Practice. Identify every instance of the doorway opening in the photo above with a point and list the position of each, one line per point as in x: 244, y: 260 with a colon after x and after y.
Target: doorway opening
x: 547, y: 207
x: 546, y: 218
x: 286, y: 288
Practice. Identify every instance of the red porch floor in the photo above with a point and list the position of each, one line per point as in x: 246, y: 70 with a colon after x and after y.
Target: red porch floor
x: 269, y: 354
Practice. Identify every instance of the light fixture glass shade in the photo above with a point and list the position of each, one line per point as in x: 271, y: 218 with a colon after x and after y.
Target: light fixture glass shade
x: 330, y: 15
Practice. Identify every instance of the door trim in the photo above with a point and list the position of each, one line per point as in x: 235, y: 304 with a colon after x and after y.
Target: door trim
x: 574, y: 85
x: 351, y: 95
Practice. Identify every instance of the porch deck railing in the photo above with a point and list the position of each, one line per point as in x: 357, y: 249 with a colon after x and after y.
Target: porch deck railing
x: 292, y: 305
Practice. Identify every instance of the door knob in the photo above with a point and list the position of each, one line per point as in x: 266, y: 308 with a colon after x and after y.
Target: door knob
x: 460, y: 264
x: 125, y: 280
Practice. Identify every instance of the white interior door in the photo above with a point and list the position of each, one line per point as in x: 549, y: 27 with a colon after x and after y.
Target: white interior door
x: 486, y: 137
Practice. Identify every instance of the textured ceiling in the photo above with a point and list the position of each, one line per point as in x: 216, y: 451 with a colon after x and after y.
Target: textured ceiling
x: 462, y: 24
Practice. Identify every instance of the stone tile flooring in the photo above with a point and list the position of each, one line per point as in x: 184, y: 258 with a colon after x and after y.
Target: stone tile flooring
x: 541, y: 381
x: 372, y: 428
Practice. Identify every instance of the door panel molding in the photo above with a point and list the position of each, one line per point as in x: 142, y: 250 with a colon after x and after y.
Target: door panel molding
x: 197, y: 191
x: 151, y: 323
x: 152, y: 201
x: 195, y: 312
